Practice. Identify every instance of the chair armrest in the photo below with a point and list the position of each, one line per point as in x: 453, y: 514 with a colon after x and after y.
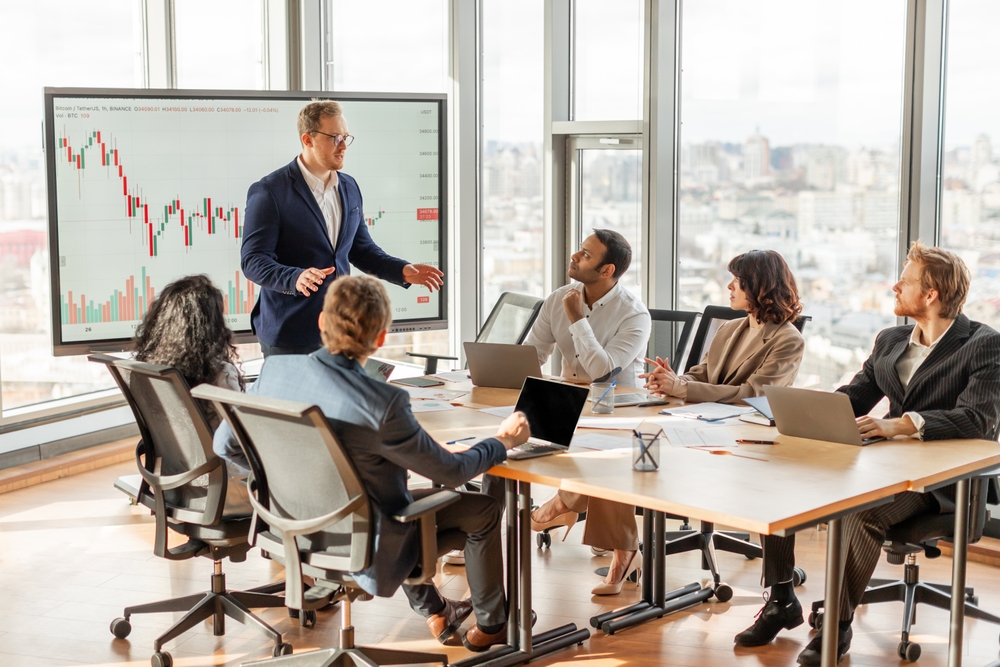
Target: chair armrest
x: 431, y: 363
x: 427, y: 505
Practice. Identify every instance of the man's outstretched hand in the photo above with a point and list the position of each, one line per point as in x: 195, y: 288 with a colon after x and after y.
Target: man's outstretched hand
x: 424, y: 274
x: 309, y: 280
x: 513, y: 430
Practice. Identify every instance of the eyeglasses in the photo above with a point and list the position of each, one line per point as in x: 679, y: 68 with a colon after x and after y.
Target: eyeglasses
x: 338, y: 139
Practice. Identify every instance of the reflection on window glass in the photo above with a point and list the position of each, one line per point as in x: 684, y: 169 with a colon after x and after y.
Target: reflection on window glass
x: 970, y: 196
x: 46, y: 43
x: 512, y: 104
x: 612, y: 199
x: 219, y: 44
x: 790, y: 141
x: 607, y: 60
x: 389, y: 46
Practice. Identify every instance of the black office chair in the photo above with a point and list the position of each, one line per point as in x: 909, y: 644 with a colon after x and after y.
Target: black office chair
x: 508, y: 322
x: 920, y: 534
x: 189, y: 492
x: 707, y: 539
x: 664, y: 337
x: 319, y: 517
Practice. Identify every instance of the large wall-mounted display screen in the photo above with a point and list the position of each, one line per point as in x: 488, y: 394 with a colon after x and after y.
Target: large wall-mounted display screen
x: 148, y: 186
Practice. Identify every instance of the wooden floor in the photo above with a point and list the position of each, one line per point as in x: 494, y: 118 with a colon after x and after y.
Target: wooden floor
x: 73, y: 553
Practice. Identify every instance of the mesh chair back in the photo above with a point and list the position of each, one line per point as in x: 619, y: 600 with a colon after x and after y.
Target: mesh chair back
x: 176, y: 436
x: 305, y: 471
x: 671, y: 335
x: 711, y: 320
x: 510, y: 320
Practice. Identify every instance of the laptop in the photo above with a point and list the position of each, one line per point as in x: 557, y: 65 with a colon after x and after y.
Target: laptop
x: 501, y: 365
x: 553, y: 410
x: 631, y: 397
x: 763, y: 416
x: 819, y: 415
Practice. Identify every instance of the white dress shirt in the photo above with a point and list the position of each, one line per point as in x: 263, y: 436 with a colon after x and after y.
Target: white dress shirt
x: 327, y: 197
x: 613, y: 333
x: 908, y: 364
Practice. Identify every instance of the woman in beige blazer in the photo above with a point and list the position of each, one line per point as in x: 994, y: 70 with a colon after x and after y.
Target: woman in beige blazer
x: 745, y: 355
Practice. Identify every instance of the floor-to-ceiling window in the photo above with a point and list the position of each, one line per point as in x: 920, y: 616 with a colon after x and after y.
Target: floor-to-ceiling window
x: 790, y: 140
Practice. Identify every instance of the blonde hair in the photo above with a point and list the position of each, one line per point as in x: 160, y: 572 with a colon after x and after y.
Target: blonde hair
x: 316, y: 111
x: 356, y: 310
x: 945, y: 272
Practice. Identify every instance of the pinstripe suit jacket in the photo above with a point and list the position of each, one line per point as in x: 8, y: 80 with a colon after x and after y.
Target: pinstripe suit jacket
x: 956, y: 389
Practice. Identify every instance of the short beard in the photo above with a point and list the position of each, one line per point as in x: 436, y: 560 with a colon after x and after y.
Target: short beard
x: 903, y: 310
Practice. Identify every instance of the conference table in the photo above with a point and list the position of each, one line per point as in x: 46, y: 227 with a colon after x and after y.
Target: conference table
x: 768, y: 489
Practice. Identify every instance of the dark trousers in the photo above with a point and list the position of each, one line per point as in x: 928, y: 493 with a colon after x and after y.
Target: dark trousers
x: 477, y: 516
x: 864, y: 534
x: 268, y: 350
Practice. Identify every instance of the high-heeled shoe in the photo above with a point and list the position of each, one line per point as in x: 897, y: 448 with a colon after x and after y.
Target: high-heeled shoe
x: 604, y: 588
x: 567, y: 519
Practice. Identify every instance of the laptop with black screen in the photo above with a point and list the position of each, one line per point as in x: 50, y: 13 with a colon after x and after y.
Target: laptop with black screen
x: 553, y: 410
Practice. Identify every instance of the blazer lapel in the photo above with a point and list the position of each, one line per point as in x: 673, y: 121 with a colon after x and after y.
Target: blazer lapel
x: 887, y: 368
x: 953, y: 341
x: 300, y: 187
x: 766, y: 334
x: 726, y: 351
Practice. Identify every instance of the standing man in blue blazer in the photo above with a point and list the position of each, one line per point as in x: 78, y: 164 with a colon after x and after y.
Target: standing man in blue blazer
x: 304, y: 225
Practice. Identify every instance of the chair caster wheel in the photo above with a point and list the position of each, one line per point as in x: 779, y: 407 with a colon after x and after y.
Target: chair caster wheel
x: 748, y: 557
x: 543, y: 540
x: 293, y: 613
x: 972, y: 599
x: 281, y: 649
x: 798, y: 577
x: 307, y: 618
x: 120, y: 628
x: 685, y: 526
x: 723, y: 593
x: 815, y: 620
x: 908, y: 651
x: 161, y: 659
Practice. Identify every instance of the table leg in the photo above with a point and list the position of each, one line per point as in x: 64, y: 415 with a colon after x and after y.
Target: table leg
x: 831, y: 603
x: 524, y: 595
x: 960, y: 545
x: 513, y: 559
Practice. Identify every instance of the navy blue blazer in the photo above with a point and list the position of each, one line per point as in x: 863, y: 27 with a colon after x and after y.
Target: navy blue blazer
x: 375, y: 426
x: 283, y: 233
x: 956, y: 389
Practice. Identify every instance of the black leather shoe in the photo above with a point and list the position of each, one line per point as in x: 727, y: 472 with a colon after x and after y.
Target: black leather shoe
x: 771, y: 619
x: 812, y: 653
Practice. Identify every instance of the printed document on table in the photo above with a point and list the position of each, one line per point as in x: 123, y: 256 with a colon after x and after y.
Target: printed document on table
x: 610, y: 423
x: 708, y: 411
x: 453, y: 376
x: 420, y: 405
x: 598, y: 441
x: 700, y: 437
x: 435, y: 393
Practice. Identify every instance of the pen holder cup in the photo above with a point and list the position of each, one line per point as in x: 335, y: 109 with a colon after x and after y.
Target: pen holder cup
x: 602, y: 396
x: 645, y: 454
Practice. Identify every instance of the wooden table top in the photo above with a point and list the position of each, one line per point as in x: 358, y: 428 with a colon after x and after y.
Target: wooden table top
x: 767, y: 489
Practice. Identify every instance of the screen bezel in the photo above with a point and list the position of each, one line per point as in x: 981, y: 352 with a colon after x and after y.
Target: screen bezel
x: 61, y: 347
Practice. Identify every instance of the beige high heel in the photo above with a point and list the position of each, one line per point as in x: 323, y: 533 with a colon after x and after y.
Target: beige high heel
x: 604, y: 588
x: 567, y: 519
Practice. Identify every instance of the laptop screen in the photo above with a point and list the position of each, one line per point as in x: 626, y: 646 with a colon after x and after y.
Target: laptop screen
x: 552, y: 408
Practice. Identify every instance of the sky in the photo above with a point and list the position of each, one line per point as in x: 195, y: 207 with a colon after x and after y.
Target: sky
x: 802, y: 70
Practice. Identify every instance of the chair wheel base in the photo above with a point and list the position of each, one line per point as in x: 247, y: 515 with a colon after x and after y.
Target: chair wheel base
x: 723, y: 592
x: 798, y: 577
x: 281, y: 649
x: 161, y: 659
x: 121, y: 628
x: 908, y: 651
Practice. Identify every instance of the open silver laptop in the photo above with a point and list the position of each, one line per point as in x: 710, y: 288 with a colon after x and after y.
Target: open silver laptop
x: 553, y: 410
x: 819, y: 415
x: 501, y: 365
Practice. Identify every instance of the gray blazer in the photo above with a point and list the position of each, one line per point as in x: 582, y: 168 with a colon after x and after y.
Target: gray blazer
x: 375, y: 426
x: 956, y: 389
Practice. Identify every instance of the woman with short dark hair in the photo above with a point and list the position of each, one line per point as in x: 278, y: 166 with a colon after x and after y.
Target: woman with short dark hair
x: 745, y: 355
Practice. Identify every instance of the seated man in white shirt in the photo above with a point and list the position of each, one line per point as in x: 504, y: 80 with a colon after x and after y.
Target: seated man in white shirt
x: 598, y: 326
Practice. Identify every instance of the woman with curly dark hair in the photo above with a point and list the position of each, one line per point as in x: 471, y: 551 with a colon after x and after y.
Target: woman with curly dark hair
x: 185, y: 328
x: 745, y: 354
x: 760, y: 349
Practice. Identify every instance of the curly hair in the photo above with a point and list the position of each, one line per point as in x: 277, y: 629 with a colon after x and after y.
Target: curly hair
x: 185, y: 328
x: 772, y: 295
x: 356, y: 310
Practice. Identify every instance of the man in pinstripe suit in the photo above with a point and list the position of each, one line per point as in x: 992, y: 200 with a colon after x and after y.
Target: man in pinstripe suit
x: 942, y: 378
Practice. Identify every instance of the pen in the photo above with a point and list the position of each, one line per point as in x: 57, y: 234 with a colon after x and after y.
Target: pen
x: 650, y: 405
x: 452, y: 442
x: 740, y: 441
x: 598, y: 401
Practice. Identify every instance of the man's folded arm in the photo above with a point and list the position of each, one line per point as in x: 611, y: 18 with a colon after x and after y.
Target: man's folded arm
x: 628, y: 343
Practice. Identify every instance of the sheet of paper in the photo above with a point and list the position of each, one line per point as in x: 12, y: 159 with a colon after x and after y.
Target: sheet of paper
x: 708, y: 411
x: 435, y: 393
x: 612, y: 423
x: 598, y: 441
x: 421, y: 405
x: 453, y: 376
x: 502, y: 412
x: 700, y: 437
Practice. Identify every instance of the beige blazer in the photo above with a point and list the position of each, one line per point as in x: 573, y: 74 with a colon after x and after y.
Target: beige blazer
x: 724, y: 380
